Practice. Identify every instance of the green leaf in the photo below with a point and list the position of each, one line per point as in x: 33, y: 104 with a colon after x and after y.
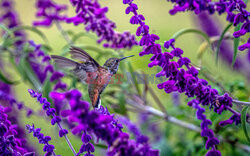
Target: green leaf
x: 243, y: 121
x: 220, y: 40
x: 187, y: 30
x: 245, y: 1
x: 5, y: 79
x: 236, y: 43
x: 33, y: 29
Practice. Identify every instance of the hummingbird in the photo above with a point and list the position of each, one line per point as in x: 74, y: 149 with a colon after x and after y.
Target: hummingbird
x: 89, y: 71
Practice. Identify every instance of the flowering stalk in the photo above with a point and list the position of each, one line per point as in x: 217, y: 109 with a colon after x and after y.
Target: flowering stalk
x: 48, y: 148
x: 93, y: 16
x: 51, y: 112
x: 49, y: 11
x: 179, y: 79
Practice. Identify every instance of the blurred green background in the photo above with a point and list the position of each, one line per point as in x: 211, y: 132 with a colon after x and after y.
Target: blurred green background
x: 161, y: 23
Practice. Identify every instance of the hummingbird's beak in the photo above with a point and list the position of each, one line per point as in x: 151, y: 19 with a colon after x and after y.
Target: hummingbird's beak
x: 126, y: 57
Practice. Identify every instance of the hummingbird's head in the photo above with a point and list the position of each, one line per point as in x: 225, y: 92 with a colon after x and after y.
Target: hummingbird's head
x: 113, y: 63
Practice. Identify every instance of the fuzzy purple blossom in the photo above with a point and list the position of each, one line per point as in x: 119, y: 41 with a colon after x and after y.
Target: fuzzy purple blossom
x: 49, y: 11
x: 93, y: 16
x: 101, y: 124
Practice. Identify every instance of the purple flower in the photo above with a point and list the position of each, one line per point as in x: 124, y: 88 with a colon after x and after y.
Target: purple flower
x: 49, y: 11
x: 94, y: 18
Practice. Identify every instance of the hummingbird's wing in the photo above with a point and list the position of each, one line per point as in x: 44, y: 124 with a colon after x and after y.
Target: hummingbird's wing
x: 90, y: 64
x: 77, y: 68
x: 63, y: 62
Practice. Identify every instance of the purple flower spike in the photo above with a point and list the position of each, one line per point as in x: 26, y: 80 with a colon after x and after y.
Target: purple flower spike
x: 94, y: 18
x: 49, y: 149
x: 49, y: 111
x: 55, y: 119
x: 49, y: 11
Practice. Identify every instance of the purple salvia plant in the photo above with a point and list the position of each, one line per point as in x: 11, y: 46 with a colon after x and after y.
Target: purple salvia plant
x: 236, y: 13
x: 179, y: 79
x: 101, y: 124
x: 94, y: 18
x: 49, y: 11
